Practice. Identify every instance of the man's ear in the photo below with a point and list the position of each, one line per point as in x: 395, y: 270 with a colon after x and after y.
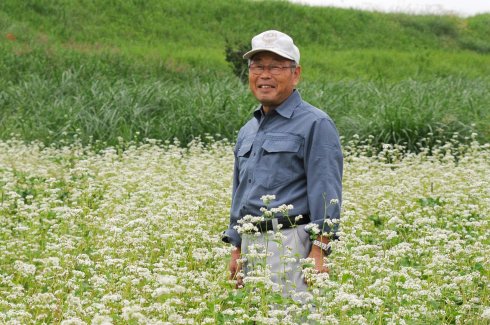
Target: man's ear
x: 297, y: 75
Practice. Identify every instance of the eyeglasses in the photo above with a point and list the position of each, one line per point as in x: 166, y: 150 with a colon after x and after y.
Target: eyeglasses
x: 273, y: 68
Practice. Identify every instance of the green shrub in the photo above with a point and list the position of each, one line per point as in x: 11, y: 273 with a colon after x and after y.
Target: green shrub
x: 234, y: 56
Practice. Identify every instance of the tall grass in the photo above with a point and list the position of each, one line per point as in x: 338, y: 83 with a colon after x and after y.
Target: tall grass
x: 408, y: 111
x: 107, y: 109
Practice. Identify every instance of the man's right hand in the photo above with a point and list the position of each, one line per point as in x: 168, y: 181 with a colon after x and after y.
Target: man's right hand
x: 235, y: 267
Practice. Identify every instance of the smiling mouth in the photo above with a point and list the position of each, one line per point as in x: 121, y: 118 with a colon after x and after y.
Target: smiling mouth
x: 266, y: 87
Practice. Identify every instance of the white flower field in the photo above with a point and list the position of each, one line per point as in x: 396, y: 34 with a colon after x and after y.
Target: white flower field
x: 131, y: 235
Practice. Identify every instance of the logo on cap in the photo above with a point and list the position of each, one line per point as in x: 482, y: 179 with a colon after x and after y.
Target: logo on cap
x: 269, y: 39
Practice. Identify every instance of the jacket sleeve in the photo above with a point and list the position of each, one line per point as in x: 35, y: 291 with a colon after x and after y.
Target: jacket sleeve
x: 324, y: 170
x: 231, y: 235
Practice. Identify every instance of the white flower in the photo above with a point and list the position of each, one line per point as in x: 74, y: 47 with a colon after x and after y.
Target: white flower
x: 283, y: 208
x: 25, y: 269
x: 486, y: 314
x: 312, y: 229
x: 111, y: 298
x: 73, y: 321
x: 268, y: 198
x: 101, y: 320
x: 133, y: 234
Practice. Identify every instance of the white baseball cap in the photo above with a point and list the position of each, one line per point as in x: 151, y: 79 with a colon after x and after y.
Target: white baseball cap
x: 275, y: 42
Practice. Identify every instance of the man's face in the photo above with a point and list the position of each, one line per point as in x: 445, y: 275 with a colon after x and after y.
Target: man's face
x: 272, y: 89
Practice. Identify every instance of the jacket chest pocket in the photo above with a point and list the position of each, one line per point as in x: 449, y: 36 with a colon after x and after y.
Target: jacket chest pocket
x: 280, y: 161
x: 243, y: 154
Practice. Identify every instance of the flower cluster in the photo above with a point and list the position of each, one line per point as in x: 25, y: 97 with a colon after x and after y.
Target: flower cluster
x: 248, y: 224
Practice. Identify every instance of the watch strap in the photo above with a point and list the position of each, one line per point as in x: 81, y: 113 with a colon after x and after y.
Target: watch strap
x: 326, y: 248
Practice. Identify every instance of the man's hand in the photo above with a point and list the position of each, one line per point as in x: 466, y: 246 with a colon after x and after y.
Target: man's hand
x: 318, y: 255
x: 235, y: 267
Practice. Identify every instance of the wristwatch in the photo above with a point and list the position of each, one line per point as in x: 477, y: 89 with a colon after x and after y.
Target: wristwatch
x: 326, y: 248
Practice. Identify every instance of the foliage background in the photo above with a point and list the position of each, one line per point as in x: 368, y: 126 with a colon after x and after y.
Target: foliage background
x: 104, y: 70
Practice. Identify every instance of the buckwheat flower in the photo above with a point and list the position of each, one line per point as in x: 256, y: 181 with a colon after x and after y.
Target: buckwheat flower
x: 395, y: 220
x: 101, y: 320
x: 313, y: 230
x: 161, y: 291
x: 111, y: 298
x: 275, y: 210
x: 475, y: 300
x: 278, y: 236
x: 98, y: 281
x: 54, y: 261
x: 201, y: 254
x: 246, y: 228
x: 359, y: 319
x: 283, y: 208
x: 134, y: 313
x: 73, y: 321
x: 135, y: 281
x: 250, y: 219
x: 303, y: 296
x: 166, y: 279
x: 315, y: 317
x: 268, y: 214
x: 289, y: 260
x: 329, y: 222
x: 78, y: 274
x: 486, y: 314
x: 390, y: 234
x: 84, y: 259
x: 25, y: 269
x: 268, y: 198
x: 21, y: 228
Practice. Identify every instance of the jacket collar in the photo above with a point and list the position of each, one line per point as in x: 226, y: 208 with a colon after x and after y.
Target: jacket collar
x: 286, y: 109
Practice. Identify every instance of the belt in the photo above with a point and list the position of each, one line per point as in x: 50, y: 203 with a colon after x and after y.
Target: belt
x: 286, y: 222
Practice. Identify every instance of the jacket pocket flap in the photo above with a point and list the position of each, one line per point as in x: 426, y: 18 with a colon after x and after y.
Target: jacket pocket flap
x: 281, y: 145
x: 244, y: 149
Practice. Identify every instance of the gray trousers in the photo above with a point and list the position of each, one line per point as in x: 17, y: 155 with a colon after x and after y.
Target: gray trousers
x: 283, y: 254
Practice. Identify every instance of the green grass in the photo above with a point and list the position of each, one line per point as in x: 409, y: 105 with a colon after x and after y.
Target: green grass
x: 407, y: 111
x: 137, y: 69
x: 58, y: 98
x: 193, y: 33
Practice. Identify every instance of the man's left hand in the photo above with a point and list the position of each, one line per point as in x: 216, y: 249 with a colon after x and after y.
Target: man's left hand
x: 318, y: 256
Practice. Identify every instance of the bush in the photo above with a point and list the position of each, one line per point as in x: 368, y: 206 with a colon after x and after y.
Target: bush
x: 234, y: 56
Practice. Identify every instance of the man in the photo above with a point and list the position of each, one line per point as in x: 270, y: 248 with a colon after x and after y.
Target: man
x: 290, y: 150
